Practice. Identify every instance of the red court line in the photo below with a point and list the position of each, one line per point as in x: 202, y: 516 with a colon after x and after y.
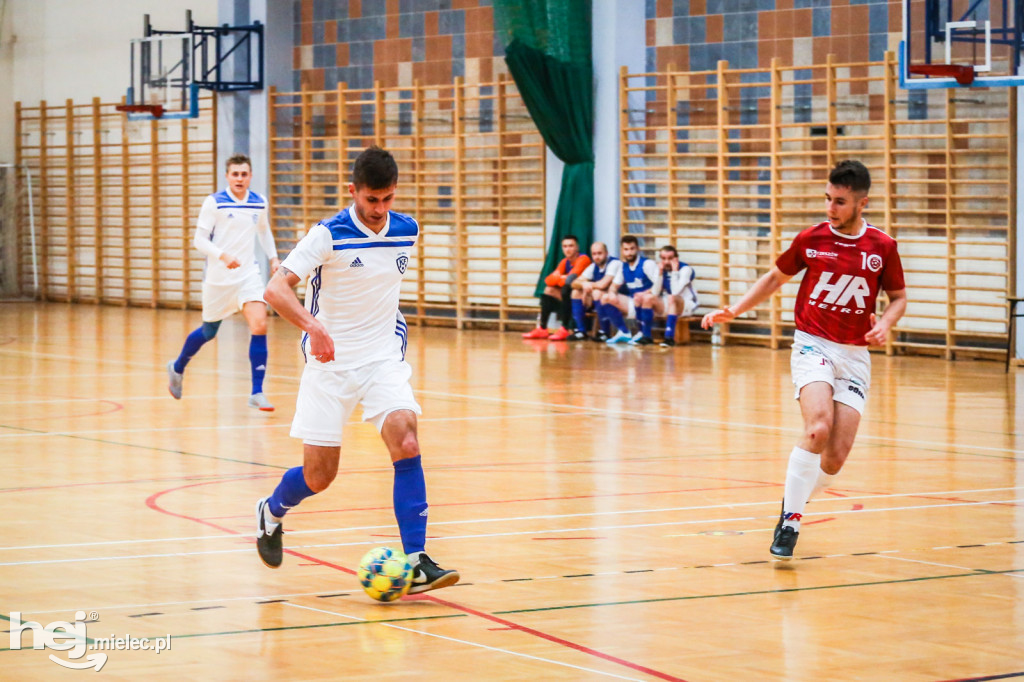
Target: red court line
x: 152, y: 503
x: 522, y: 499
x: 218, y: 477
x: 117, y: 407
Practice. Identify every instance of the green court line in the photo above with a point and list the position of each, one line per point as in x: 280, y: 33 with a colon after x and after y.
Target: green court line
x: 143, y: 447
x: 974, y: 573
x: 298, y: 627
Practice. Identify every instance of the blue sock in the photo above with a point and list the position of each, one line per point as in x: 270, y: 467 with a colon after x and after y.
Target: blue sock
x: 193, y: 343
x: 615, y: 317
x: 646, y: 317
x: 410, y: 500
x: 289, y: 492
x: 258, y: 361
x: 670, y: 326
x: 579, y: 314
x: 604, y: 324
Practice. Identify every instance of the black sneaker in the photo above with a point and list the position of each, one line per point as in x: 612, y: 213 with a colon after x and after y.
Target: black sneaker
x: 785, y: 541
x: 601, y: 337
x: 427, y: 575
x: 268, y: 544
x: 645, y: 341
x: 578, y: 336
x: 668, y: 343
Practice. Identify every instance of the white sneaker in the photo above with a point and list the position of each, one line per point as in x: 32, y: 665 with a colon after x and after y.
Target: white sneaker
x: 620, y: 337
x: 174, y: 381
x: 258, y: 400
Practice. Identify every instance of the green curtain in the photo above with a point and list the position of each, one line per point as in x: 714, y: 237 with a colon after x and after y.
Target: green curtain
x: 548, y: 54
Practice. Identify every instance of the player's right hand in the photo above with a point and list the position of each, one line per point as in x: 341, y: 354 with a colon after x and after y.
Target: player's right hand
x: 321, y: 345
x: 717, y: 316
x: 230, y: 261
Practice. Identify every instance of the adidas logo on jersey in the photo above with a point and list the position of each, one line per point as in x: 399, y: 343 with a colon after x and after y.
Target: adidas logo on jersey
x: 356, y: 263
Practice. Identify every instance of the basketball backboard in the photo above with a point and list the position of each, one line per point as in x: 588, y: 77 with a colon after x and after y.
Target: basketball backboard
x: 168, y: 68
x: 961, y: 43
x: 162, y: 77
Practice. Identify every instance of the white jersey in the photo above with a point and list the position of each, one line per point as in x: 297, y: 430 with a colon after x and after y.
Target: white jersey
x: 613, y: 267
x: 229, y: 225
x: 356, y: 278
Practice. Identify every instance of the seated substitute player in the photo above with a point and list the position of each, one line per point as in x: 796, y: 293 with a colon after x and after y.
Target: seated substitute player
x: 558, y: 291
x: 635, y: 278
x: 588, y: 289
x: 673, y: 293
x: 848, y: 261
x: 228, y: 222
x: 354, y: 342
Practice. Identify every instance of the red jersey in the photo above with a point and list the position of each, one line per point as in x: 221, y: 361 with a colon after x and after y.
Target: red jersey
x: 843, y: 278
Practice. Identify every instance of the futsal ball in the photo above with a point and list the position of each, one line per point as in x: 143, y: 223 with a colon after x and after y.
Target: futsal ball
x: 385, y: 574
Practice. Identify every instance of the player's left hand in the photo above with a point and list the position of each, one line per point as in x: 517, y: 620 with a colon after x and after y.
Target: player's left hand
x: 879, y: 331
x: 275, y: 263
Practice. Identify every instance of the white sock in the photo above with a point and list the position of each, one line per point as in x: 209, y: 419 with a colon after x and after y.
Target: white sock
x: 413, y: 557
x: 801, y: 477
x: 824, y: 481
x: 271, y: 520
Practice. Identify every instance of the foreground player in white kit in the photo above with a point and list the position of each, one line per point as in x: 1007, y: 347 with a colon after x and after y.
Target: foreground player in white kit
x: 354, y: 344
x: 228, y: 222
x: 848, y: 262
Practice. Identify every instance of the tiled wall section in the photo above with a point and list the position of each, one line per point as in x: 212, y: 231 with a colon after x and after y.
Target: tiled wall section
x: 694, y: 34
x: 395, y: 42
x: 398, y: 41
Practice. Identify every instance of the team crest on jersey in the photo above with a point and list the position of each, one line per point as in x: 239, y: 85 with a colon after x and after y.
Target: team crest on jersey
x: 402, y: 262
x: 811, y: 253
x: 873, y: 262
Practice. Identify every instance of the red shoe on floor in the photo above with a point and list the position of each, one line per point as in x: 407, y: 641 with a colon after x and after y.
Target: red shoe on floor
x: 560, y: 335
x: 538, y: 333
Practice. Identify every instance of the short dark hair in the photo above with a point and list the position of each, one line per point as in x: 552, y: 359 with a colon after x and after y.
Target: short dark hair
x: 852, y: 175
x: 375, y: 168
x: 571, y: 237
x: 237, y: 160
x: 671, y: 249
x: 629, y: 239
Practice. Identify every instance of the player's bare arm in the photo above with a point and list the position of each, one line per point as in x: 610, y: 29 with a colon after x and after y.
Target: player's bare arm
x: 280, y: 295
x: 767, y: 285
x: 893, y: 312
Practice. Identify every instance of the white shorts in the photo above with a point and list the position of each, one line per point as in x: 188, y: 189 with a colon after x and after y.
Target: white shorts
x: 224, y: 300
x: 684, y: 305
x: 626, y: 301
x: 846, y: 368
x: 327, y: 399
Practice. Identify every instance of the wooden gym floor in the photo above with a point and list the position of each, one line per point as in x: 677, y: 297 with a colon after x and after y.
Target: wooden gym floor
x: 610, y: 511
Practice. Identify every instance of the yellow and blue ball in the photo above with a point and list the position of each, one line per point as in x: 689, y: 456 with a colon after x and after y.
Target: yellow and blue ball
x: 385, y: 574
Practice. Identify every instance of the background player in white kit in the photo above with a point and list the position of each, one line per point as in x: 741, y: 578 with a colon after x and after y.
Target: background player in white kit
x: 229, y: 223
x: 354, y: 343
x: 673, y: 293
x: 589, y: 288
x: 848, y: 262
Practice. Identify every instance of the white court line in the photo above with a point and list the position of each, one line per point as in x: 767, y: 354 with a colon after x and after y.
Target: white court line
x: 102, y: 609
x: 549, y: 517
x: 589, y: 411
x: 229, y: 427
x: 477, y: 536
x: 594, y: 411
x: 116, y: 400
x: 462, y: 641
x: 981, y: 571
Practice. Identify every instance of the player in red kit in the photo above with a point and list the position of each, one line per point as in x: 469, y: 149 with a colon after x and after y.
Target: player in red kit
x: 848, y: 262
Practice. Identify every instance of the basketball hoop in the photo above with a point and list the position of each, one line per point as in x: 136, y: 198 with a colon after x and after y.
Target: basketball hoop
x: 963, y: 73
x: 154, y: 110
